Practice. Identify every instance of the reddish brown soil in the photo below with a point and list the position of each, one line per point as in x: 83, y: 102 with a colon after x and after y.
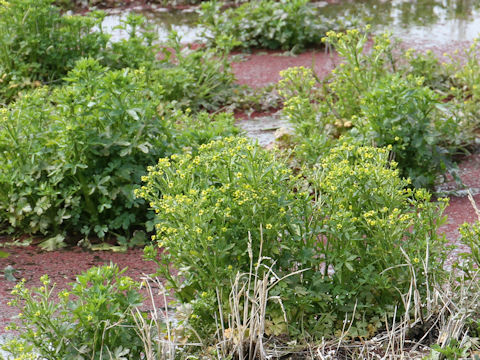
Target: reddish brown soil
x: 257, y: 70
x: 460, y: 209
x: 262, y: 67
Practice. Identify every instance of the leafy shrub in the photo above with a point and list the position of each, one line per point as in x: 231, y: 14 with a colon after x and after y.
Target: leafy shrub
x: 427, y: 66
x: 374, y: 97
x: 359, y: 69
x: 40, y: 45
x: 464, y: 88
x: 315, y: 130
x: 269, y: 24
x: 403, y: 113
x: 72, y: 4
x: 91, y: 320
x: 136, y: 50
x: 470, y: 236
x: 72, y: 156
x: 207, y: 204
x: 322, y: 111
x: 359, y: 237
x: 376, y: 234
x: 202, y: 78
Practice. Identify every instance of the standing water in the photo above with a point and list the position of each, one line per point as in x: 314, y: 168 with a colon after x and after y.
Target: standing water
x: 184, y: 22
x: 433, y: 22
x: 436, y: 22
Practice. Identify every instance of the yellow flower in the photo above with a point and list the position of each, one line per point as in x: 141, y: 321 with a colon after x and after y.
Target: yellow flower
x: 268, y: 226
x: 45, y: 280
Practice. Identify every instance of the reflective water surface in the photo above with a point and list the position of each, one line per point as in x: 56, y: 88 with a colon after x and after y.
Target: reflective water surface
x: 184, y: 22
x: 437, y: 22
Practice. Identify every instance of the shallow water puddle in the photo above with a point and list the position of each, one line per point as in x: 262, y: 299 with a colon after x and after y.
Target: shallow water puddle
x: 436, y: 22
x: 265, y: 129
x: 184, y: 22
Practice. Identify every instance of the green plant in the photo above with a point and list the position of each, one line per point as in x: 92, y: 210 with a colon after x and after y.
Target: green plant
x: 73, y: 156
x: 410, y: 117
x: 76, y: 4
x: 39, y: 45
x: 469, y: 261
x: 470, y: 236
x: 373, y: 96
x: 208, y: 203
x: 315, y: 131
x: 452, y: 351
x: 358, y: 235
x: 377, y: 234
x: 91, y: 320
x: 427, y: 65
x: 358, y: 70
x: 266, y: 24
x: 323, y: 110
x: 203, y: 78
x: 137, y: 49
x: 464, y: 88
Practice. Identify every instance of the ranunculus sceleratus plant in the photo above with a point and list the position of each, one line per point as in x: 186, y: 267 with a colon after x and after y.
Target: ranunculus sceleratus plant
x: 207, y: 203
x: 376, y: 235
x: 90, y: 319
x: 359, y: 232
x: 376, y: 98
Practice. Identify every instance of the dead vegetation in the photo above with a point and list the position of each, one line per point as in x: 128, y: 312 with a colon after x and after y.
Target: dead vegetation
x: 436, y: 320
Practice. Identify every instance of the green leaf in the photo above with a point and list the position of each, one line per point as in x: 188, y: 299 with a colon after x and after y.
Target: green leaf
x: 143, y: 147
x: 108, y: 247
x: 4, y: 254
x: 8, y: 273
x: 53, y: 243
x: 133, y: 114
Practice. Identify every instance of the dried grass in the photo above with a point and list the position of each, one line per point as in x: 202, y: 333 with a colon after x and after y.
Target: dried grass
x: 435, y: 315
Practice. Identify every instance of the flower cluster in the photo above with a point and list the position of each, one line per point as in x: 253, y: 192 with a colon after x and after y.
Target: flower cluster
x: 208, y: 203
x: 296, y: 81
x: 102, y: 300
x: 372, y: 223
